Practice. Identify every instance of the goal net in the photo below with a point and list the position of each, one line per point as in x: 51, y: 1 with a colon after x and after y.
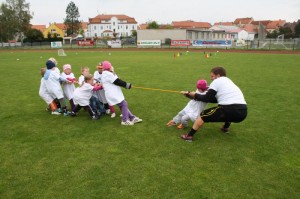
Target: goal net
x: 61, y: 52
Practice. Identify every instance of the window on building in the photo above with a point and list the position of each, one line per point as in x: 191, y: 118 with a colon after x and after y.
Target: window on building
x: 132, y: 27
x: 126, y: 27
x: 114, y: 23
x: 196, y: 35
x: 189, y: 35
x: 95, y: 27
x: 109, y: 27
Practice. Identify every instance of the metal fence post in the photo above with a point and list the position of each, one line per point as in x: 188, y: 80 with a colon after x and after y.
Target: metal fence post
x: 294, y: 44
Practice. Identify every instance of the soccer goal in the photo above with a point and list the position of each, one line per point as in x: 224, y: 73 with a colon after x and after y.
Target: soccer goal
x: 61, y: 52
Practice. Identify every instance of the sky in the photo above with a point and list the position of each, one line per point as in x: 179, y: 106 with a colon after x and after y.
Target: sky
x: 166, y: 11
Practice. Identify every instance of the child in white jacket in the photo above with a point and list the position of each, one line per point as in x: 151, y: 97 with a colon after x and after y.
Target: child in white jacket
x: 52, y: 81
x: 82, y: 96
x: 192, y: 110
x: 114, y: 95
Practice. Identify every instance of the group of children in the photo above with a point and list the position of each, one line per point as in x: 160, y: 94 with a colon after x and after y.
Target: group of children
x: 97, y: 93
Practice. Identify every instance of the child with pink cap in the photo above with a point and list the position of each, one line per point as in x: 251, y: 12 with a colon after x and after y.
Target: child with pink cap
x: 192, y: 110
x: 114, y: 95
x: 69, y: 86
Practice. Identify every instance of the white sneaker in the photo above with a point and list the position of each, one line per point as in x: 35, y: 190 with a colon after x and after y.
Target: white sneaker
x: 113, y: 115
x: 127, y: 123
x: 121, y: 115
x: 107, y: 111
x: 55, y: 113
x: 137, y: 120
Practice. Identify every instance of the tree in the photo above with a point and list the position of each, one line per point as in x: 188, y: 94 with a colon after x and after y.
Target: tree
x: 34, y: 35
x: 14, y: 19
x: 153, y: 25
x: 6, y: 26
x: 71, y: 21
x: 134, y: 33
x: 297, y: 29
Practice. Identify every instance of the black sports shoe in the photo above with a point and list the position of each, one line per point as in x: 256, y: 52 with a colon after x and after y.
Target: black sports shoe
x: 186, y: 137
x: 224, y: 130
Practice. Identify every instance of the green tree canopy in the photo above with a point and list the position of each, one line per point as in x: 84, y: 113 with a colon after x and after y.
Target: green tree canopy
x: 153, y: 25
x: 71, y: 21
x: 14, y: 19
x: 34, y: 35
x: 297, y: 29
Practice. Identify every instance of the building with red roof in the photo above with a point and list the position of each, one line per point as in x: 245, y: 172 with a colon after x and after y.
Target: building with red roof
x: 190, y: 25
x: 275, y: 25
x: 119, y: 24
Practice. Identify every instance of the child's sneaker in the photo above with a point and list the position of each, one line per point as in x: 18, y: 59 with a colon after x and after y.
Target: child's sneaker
x: 55, y: 113
x: 136, y: 120
x: 95, y: 117
x: 127, y: 123
x: 171, y: 123
x: 67, y: 113
x: 73, y: 114
x: 180, y: 126
x: 113, y: 115
x: 186, y: 137
x: 224, y: 130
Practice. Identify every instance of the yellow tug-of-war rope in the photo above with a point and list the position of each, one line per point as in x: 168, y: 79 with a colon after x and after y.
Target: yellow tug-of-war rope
x: 156, y: 89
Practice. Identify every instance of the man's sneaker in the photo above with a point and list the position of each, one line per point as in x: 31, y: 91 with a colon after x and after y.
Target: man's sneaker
x: 113, y: 115
x: 127, y: 123
x: 180, y: 126
x: 137, y: 120
x: 107, y: 111
x: 171, y: 123
x: 186, y: 137
x: 55, y: 113
x: 224, y: 130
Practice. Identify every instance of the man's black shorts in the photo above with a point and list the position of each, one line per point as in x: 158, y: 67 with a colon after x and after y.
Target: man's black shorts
x: 225, y: 113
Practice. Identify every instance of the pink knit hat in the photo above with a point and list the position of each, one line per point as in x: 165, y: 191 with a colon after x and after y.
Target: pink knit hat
x: 67, y: 66
x: 106, y: 65
x: 202, y: 84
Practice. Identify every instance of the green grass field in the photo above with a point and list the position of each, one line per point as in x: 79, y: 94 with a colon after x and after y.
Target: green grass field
x: 49, y: 156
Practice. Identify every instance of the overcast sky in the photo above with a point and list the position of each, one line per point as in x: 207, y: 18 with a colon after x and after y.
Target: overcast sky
x: 166, y: 11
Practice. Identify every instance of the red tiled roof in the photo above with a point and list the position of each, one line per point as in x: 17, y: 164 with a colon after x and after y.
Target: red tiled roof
x: 250, y: 28
x: 264, y: 22
x: 61, y: 26
x: 99, y: 18
x: 243, y: 20
x: 275, y: 24
x: 84, y: 25
x: 142, y: 26
x: 39, y: 27
x: 190, y: 24
x: 223, y: 23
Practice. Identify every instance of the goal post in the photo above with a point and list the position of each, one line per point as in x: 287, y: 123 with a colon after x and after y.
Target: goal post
x: 61, y: 52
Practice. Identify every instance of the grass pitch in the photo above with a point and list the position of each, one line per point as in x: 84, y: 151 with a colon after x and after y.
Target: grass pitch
x: 47, y: 156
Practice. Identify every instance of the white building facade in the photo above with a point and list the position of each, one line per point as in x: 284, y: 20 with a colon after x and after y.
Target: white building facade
x: 111, y: 26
